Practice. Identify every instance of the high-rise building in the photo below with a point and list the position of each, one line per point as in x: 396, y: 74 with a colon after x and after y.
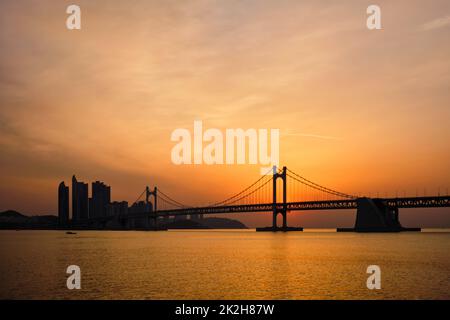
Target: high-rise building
x: 117, y: 208
x: 84, y: 203
x: 80, y: 204
x: 101, y: 198
x: 63, y: 204
x: 91, y: 208
x: 140, y: 207
x: 75, y: 215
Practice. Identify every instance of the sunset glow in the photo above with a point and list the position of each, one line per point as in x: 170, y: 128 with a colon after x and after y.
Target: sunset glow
x: 361, y: 111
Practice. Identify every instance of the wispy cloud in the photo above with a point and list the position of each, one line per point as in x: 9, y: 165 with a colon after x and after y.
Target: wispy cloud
x: 436, y: 23
x: 110, y: 105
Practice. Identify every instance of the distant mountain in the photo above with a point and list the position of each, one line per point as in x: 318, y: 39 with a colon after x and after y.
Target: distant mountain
x: 206, y: 223
x: 11, y: 214
x: 184, y: 224
x: 11, y: 219
x: 223, y: 223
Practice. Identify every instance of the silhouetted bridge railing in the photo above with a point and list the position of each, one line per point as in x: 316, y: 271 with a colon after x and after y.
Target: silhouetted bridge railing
x: 419, y: 202
x: 416, y: 202
x: 373, y: 214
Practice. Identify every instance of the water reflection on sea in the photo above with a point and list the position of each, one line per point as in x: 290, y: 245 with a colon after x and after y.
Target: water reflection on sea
x: 224, y: 264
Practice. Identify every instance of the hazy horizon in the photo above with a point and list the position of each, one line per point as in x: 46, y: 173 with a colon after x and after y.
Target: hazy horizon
x: 363, y: 112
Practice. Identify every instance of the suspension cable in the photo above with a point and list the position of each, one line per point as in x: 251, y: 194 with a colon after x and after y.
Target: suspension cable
x: 140, y: 196
x: 173, y: 200
x: 238, y: 194
x: 318, y: 186
x: 164, y: 200
x: 246, y: 195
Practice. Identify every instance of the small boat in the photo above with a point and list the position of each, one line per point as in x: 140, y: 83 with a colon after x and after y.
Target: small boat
x: 70, y: 232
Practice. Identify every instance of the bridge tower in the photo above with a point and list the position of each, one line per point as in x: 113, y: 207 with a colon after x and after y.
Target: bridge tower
x: 153, y: 193
x: 275, y: 208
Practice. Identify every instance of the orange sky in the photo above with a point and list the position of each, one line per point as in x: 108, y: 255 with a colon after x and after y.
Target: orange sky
x: 360, y: 111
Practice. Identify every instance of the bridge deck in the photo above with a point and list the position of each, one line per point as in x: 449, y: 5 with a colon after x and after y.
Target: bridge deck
x: 412, y: 202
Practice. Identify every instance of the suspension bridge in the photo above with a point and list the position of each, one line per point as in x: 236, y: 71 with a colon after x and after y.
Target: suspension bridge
x: 280, y: 192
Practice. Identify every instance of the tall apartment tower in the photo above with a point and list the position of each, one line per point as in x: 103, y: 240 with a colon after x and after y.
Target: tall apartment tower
x: 80, y: 203
x: 101, y: 198
x: 63, y: 204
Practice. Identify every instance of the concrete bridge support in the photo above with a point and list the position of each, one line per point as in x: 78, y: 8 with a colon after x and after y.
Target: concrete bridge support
x: 374, y: 215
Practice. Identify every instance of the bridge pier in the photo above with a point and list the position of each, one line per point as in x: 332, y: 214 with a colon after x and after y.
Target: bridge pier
x: 274, y: 219
x: 374, y: 215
